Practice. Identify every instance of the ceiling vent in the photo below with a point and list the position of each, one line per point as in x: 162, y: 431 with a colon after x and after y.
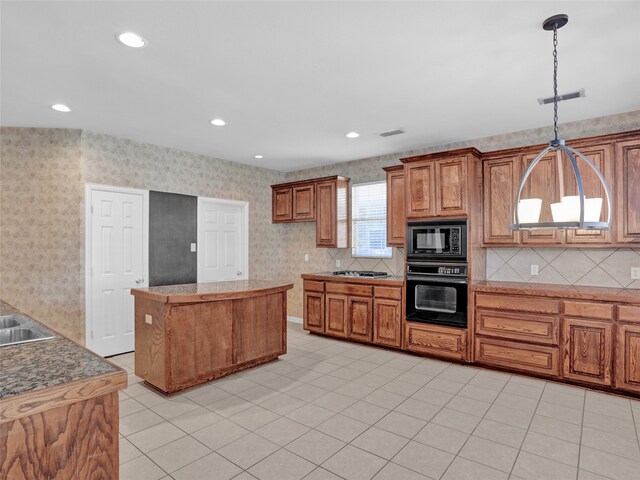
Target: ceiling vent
x: 392, y: 133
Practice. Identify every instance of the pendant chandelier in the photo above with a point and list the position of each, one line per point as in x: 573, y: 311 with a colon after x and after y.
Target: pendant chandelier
x: 571, y: 212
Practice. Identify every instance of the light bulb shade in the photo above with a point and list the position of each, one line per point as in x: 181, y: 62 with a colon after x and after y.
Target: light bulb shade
x: 529, y: 210
x: 568, y: 210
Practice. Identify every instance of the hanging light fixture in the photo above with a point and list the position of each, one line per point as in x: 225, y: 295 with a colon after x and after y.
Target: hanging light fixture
x: 571, y: 212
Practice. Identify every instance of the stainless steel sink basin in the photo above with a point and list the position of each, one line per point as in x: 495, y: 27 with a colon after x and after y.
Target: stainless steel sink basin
x: 16, y: 329
x: 9, y: 321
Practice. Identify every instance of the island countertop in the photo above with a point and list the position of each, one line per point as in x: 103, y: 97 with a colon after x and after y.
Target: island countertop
x: 37, y: 376
x: 206, y: 292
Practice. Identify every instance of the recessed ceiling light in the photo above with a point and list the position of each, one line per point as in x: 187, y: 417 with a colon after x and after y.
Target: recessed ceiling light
x: 258, y: 156
x: 352, y: 135
x: 61, y: 107
x: 218, y: 122
x: 131, y: 39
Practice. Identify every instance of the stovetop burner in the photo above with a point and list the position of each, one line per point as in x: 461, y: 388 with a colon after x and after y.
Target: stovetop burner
x: 360, y: 273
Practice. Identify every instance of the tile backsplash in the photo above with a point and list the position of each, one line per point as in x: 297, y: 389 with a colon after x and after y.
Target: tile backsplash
x: 392, y: 266
x: 599, y: 267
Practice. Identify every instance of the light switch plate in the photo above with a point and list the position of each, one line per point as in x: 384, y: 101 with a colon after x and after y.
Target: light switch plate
x: 534, y: 269
x: 148, y: 319
x: 193, y: 247
x: 635, y: 273
x: 306, y: 257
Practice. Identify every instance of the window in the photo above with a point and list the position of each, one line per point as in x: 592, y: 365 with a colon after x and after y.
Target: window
x: 369, y: 220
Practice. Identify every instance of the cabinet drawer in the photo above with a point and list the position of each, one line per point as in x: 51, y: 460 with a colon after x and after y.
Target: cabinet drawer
x: 387, y: 292
x: 435, y: 340
x: 313, y: 285
x: 349, y: 289
x: 603, y: 311
x: 629, y: 313
x: 518, y: 356
x: 517, y: 303
x: 518, y: 326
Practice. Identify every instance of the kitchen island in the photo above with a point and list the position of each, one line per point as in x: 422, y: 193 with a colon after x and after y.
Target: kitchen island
x: 58, y: 409
x: 194, y: 333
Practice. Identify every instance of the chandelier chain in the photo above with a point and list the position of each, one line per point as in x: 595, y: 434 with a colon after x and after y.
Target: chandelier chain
x: 555, y: 81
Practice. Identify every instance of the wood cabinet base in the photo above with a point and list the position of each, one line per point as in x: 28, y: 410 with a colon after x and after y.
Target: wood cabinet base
x: 190, y: 344
x: 78, y: 441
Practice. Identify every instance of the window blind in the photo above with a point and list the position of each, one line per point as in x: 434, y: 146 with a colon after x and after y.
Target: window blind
x: 369, y: 220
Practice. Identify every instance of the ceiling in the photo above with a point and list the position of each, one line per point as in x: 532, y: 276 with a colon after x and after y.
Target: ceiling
x: 292, y: 78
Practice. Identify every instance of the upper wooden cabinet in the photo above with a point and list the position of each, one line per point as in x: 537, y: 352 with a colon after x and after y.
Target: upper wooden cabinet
x: 501, y: 176
x: 439, y: 184
x: 628, y: 190
x: 617, y: 157
x: 304, y: 203
x: 396, y: 211
x: 332, y: 213
x: 324, y: 200
x: 281, y: 210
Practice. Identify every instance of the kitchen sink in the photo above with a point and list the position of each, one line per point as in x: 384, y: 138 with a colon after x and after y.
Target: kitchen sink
x: 16, y: 329
x: 8, y: 322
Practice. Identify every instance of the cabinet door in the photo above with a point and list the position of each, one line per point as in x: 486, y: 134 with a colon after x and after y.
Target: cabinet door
x: 396, y: 215
x: 360, y: 319
x: 500, y: 179
x: 602, y: 158
x: 435, y: 340
x: 542, y: 183
x: 627, y: 186
x: 336, y: 309
x: 326, y: 214
x: 420, y: 177
x: 304, y: 203
x: 281, y: 205
x: 387, y: 317
x: 313, y: 312
x: 451, y: 186
x: 628, y: 358
x: 587, y: 350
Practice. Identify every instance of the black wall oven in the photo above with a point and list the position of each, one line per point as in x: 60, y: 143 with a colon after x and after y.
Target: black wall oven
x: 437, y: 293
x: 437, y: 240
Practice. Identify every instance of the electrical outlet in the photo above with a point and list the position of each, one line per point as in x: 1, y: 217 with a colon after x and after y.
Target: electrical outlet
x: 635, y: 273
x: 306, y: 257
x: 148, y: 319
x: 534, y: 269
x: 337, y: 263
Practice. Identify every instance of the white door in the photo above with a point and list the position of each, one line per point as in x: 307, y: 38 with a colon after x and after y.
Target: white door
x: 118, y: 264
x: 221, y: 240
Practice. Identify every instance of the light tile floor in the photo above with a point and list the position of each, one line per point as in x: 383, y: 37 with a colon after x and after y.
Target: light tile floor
x: 331, y: 410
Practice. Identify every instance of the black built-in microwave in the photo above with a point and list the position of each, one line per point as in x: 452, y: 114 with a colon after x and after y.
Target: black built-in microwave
x: 437, y: 240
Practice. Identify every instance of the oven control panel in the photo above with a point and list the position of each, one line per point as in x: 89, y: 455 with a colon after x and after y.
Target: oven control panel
x: 452, y: 270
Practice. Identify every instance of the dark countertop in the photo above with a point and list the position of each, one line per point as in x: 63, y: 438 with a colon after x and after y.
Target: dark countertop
x: 389, y: 280
x: 207, y: 292
x: 32, y: 367
x: 626, y: 295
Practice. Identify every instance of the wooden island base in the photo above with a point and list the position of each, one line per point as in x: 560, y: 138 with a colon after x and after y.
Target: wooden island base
x: 191, y: 334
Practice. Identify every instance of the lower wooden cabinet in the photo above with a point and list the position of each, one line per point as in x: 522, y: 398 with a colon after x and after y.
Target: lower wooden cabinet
x: 628, y: 357
x: 387, y: 322
x: 336, y: 309
x: 313, y: 316
x: 360, y: 318
x: 587, y: 350
x: 524, y: 357
x: 446, y: 342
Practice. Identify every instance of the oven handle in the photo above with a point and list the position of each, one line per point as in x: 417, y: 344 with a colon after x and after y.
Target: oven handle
x: 428, y: 278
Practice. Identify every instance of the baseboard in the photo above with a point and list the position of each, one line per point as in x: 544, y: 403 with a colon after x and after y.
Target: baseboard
x: 294, y: 319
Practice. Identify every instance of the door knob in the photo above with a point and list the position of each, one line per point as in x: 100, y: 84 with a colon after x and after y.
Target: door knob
x: 139, y: 281
x: 239, y: 273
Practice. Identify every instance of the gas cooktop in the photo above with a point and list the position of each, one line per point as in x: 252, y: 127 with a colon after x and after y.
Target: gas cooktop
x: 360, y: 273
